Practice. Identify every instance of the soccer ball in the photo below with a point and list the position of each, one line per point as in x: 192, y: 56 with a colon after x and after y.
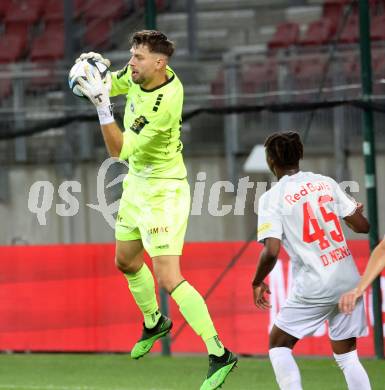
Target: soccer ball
x: 78, y: 70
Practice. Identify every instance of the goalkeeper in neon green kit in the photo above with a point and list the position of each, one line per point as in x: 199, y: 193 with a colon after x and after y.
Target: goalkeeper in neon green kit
x: 155, y: 204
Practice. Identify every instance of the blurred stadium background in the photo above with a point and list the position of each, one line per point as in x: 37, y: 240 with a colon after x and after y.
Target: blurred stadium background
x: 283, y: 65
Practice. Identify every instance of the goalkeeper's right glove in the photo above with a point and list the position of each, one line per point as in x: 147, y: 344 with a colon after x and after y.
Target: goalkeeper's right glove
x: 95, y: 56
x: 98, y: 91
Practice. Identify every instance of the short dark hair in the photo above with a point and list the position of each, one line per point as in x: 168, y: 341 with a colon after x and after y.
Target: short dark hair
x: 156, y: 41
x: 285, y: 149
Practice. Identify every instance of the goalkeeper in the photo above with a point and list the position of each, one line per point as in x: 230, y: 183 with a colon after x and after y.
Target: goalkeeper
x: 155, y: 203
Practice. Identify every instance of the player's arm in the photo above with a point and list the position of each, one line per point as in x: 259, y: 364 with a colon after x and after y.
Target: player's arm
x: 270, y: 232
x: 98, y: 93
x: 374, y: 267
x: 357, y: 221
x: 266, y: 263
x: 113, y: 138
x: 350, y: 210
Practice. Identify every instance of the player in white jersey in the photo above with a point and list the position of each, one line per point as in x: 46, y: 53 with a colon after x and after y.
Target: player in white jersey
x: 303, y: 211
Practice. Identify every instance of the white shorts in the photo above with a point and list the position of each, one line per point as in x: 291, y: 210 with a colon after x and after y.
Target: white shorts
x: 300, y: 320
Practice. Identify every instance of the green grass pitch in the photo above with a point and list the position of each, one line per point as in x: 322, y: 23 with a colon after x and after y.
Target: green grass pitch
x: 119, y: 372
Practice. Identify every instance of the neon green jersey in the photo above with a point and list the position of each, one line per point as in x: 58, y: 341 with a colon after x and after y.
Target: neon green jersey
x: 152, y: 122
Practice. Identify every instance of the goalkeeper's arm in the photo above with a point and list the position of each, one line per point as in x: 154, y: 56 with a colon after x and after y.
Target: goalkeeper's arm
x: 98, y: 93
x: 113, y: 138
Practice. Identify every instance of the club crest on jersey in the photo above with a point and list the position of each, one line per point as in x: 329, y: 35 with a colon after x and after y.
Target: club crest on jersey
x: 132, y: 106
x: 138, y: 124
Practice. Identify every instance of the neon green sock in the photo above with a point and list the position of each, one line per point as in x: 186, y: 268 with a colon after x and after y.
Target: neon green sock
x: 194, y: 310
x: 142, y: 287
x: 215, y: 346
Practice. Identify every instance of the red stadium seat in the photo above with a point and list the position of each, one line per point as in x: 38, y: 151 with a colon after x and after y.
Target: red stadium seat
x: 318, y: 32
x: 306, y: 73
x: 351, y: 66
x: 18, y: 28
x: 55, y: 9
x: 258, y: 78
x: 334, y: 11
x: 261, y: 71
x: 377, y: 32
x: 48, y: 47
x: 16, y: 38
x: 255, y: 78
x: 378, y: 66
x: 378, y: 63
x: 5, y: 88
x: 50, y: 81
x: 12, y: 48
x: 4, y: 4
x: 112, y: 9
x: 311, y: 68
x: 24, y: 11
x: 287, y: 34
x: 80, y: 7
x: 217, y: 86
x: 160, y: 4
x: 54, y: 27
x: 373, y: 4
x: 350, y: 33
x: 97, y: 34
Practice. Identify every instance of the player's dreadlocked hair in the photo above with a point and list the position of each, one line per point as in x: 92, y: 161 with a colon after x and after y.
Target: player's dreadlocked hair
x: 285, y: 149
x: 156, y: 42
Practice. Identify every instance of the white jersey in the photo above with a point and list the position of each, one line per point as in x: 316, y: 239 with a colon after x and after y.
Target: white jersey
x: 303, y: 211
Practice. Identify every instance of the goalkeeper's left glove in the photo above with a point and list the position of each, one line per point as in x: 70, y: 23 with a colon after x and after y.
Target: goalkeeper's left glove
x: 98, y: 91
x: 94, y: 56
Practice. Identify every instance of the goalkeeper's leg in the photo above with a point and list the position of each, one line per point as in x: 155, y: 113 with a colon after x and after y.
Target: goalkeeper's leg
x: 193, y: 308
x: 129, y: 260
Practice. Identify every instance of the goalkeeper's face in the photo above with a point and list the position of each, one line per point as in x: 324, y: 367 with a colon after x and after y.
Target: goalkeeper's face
x: 145, y: 65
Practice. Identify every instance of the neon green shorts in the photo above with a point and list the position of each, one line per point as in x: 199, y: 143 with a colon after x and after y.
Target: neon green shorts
x: 154, y: 211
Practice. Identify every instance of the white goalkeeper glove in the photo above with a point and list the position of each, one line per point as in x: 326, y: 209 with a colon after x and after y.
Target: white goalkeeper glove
x: 95, y: 56
x: 98, y: 91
